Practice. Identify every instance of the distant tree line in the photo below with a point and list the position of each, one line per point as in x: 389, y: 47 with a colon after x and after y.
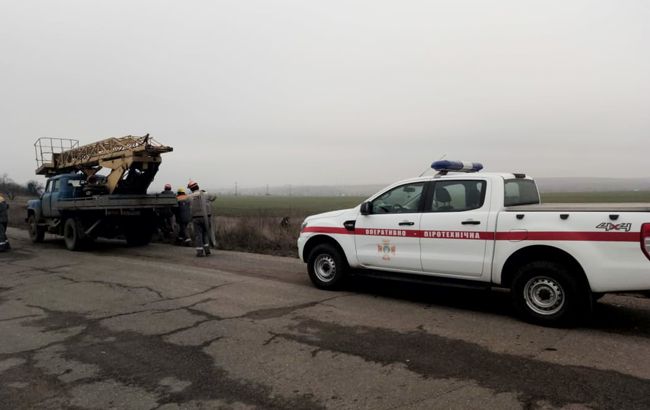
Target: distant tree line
x: 12, y: 189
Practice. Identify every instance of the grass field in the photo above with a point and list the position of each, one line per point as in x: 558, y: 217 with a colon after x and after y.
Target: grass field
x: 281, y: 206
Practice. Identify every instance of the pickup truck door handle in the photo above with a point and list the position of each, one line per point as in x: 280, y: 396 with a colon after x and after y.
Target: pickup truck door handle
x: 471, y: 222
x: 406, y: 223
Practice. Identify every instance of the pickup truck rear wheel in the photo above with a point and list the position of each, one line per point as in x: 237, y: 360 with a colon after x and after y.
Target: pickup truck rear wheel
x: 36, y: 233
x: 73, y: 234
x: 546, y: 293
x: 327, y: 267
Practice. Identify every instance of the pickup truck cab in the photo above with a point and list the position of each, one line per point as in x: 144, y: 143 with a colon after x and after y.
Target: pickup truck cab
x: 474, y: 229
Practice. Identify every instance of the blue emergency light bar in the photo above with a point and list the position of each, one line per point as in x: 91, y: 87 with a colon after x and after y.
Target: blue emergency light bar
x: 456, y: 166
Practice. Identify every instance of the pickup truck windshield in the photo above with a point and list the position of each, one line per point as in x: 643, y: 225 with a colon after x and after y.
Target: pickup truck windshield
x: 520, y: 192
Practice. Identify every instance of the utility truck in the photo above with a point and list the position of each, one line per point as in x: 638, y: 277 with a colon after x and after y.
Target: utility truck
x: 81, y: 204
x: 466, y: 228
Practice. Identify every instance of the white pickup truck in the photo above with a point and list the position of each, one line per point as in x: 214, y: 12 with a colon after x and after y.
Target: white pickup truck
x: 486, y: 230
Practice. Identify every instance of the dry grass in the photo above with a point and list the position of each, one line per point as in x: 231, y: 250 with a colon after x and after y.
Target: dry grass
x: 258, y: 234
x: 18, y: 212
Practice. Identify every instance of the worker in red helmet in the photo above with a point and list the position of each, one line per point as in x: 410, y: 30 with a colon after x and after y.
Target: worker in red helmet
x: 202, y: 219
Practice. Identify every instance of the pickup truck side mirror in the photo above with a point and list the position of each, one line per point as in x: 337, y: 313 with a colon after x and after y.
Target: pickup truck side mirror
x: 366, y: 208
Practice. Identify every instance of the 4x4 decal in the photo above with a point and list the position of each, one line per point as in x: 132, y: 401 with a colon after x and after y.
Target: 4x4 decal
x: 608, y: 226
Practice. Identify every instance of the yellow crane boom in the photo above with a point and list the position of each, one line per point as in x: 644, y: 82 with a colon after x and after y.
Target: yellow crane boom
x: 133, y: 160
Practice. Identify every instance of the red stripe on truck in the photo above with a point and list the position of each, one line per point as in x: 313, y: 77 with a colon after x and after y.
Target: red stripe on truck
x: 569, y: 236
x: 327, y: 229
x: 464, y: 235
x: 585, y: 236
x: 404, y: 233
x: 472, y: 235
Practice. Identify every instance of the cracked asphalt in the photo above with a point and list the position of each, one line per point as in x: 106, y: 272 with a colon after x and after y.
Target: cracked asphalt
x: 156, y: 328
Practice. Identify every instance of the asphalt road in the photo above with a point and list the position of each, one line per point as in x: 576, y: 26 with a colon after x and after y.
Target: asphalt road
x: 156, y: 327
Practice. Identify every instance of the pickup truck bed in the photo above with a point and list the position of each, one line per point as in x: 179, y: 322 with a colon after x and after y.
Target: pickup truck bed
x: 572, y: 207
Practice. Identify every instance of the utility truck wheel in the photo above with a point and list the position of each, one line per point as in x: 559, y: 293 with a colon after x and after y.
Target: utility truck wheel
x: 36, y: 233
x: 546, y: 293
x: 327, y: 267
x: 73, y: 234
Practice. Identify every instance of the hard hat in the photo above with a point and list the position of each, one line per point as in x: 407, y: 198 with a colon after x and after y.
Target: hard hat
x: 168, y: 187
x: 181, y: 190
x: 192, y: 185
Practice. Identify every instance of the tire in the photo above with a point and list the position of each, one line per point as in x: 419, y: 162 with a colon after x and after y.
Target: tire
x: 546, y: 293
x: 73, y: 234
x: 36, y: 233
x: 327, y: 267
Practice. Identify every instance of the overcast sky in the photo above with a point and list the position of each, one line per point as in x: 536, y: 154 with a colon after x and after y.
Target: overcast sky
x: 332, y: 92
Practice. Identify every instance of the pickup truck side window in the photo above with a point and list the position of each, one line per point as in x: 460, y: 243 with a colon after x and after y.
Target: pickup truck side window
x: 520, y: 192
x: 457, y: 196
x: 48, y: 187
x: 401, y: 200
x: 55, y: 185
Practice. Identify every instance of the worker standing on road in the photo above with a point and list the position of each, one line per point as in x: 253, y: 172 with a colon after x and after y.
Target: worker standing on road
x: 167, y: 216
x: 183, y: 216
x: 4, y: 219
x: 201, y: 218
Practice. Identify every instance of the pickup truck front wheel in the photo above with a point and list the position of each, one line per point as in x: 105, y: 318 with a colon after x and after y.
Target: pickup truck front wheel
x: 547, y: 293
x: 327, y: 267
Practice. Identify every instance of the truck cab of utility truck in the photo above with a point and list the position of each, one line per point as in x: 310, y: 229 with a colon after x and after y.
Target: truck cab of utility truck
x: 57, y: 187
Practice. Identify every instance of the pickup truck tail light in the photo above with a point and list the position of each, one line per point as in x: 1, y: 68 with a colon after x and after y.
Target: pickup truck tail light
x: 645, y: 239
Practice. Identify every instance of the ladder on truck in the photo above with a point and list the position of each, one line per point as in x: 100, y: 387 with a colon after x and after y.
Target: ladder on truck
x: 133, y: 161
